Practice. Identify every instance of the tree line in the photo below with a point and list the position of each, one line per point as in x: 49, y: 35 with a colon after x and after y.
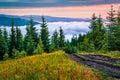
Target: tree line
x: 100, y: 37
x: 15, y: 45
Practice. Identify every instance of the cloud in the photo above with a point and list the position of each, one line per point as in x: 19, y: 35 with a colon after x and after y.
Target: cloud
x: 70, y: 28
x: 52, y: 3
x: 9, y: 0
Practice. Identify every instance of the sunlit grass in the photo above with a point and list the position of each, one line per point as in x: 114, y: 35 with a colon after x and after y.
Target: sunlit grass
x: 52, y: 66
x: 112, y: 54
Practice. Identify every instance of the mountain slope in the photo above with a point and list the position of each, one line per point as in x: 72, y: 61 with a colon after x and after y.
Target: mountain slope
x: 56, y: 19
x: 5, y: 20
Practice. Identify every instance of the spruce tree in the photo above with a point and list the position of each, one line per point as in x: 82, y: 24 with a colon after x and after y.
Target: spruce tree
x: 19, y: 39
x: 87, y: 44
x: 111, y: 28
x: 92, y: 35
x: 26, y: 38
x: 32, y: 32
x: 55, y: 39
x: 61, y: 39
x: 12, y: 39
x: 5, y: 34
x: 101, y: 35
x: 44, y: 34
x: 52, y: 45
x: 30, y: 46
x: 2, y: 45
x: 39, y: 48
x: 31, y: 38
x: 97, y: 34
x: 117, y: 32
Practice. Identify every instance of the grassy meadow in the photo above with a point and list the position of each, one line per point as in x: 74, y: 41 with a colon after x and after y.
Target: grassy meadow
x: 55, y: 66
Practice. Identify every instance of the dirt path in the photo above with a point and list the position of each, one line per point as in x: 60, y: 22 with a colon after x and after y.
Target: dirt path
x: 105, y: 64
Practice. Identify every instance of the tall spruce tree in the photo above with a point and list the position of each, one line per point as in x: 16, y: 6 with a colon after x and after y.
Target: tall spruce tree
x: 102, y: 37
x: 97, y: 34
x: 55, y: 39
x: 44, y: 34
x: 5, y: 34
x: 31, y: 38
x: 93, y: 32
x: 117, y: 31
x: 111, y: 28
x: 12, y: 39
x: 33, y: 32
x: 26, y: 38
x: 61, y: 39
x: 2, y: 45
x: 19, y: 39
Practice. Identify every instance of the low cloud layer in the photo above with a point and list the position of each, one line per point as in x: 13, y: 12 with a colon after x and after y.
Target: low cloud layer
x: 70, y: 28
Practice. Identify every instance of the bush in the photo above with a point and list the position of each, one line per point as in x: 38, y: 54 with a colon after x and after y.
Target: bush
x: 22, y: 54
x: 15, y: 53
x: 5, y: 56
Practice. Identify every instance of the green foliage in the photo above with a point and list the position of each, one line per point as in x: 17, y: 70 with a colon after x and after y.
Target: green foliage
x: 5, y: 56
x: 87, y: 45
x: 26, y: 38
x: 19, y: 39
x: 44, y: 34
x: 15, y: 53
x: 52, y: 46
x: 54, y: 41
x: 61, y: 39
x: 97, y: 35
x: 32, y: 32
x: 12, y: 39
x: 5, y: 35
x: 3, y: 46
x: 31, y: 38
x: 30, y: 46
x: 113, y: 30
x: 95, y: 39
x: 39, y: 48
x: 22, y: 53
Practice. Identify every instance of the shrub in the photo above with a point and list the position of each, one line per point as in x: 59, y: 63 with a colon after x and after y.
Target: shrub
x: 5, y: 56
x: 15, y: 53
x: 22, y: 54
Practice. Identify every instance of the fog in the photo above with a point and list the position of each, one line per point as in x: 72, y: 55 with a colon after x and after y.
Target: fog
x: 70, y: 28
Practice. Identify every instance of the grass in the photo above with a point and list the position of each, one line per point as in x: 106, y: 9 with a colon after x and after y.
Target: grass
x: 54, y: 66
x: 112, y: 54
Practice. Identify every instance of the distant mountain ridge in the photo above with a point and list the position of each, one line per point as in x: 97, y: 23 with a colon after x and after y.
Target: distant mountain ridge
x: 5, y: 20
x: 55, y: 19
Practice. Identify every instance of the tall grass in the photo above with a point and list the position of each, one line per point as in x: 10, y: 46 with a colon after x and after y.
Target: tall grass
x: 53, y: 66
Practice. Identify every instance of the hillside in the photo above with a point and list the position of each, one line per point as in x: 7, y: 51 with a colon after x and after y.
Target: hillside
x: 53, y: 66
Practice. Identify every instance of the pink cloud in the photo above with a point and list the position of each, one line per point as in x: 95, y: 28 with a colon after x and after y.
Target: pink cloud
x: 70, y: 11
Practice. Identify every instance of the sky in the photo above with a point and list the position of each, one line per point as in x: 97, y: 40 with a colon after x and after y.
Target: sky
x: 59, y: 8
